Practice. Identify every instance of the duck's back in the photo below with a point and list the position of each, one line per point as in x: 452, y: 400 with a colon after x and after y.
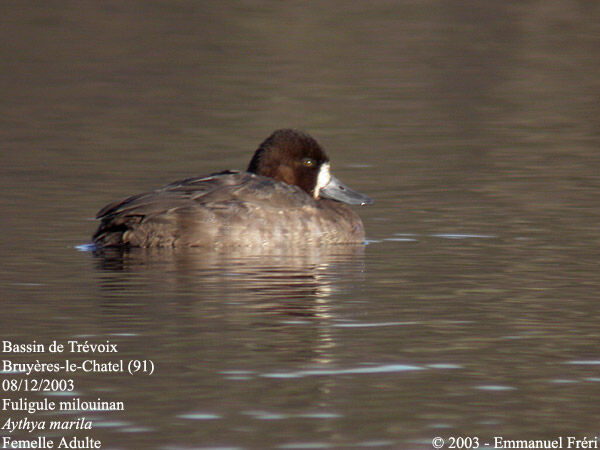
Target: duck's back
x: 226, y: 209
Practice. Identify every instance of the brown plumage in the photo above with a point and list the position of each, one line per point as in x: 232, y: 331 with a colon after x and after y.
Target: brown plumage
x: 277, y: 202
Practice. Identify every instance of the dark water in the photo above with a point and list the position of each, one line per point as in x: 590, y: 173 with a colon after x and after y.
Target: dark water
x: 472, y: 310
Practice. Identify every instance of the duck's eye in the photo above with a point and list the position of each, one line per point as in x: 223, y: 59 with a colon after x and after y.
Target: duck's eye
x: 308, y: 162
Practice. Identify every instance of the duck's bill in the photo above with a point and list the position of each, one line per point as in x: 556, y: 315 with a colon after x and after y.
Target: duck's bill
x: 336, y: 190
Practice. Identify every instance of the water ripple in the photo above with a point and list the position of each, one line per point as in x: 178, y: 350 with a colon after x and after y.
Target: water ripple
x: 374, y: 324
x: 463, y: 236
x: 591, y: 362
x: 387, y: 368
x: 495, y: 387
x: 199, y: 416
x: 86, y: 247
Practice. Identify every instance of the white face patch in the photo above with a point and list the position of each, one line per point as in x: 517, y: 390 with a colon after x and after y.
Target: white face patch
x: 323, y: 179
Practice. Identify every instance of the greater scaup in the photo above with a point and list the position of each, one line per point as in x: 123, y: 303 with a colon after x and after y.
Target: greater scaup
x: 287, y: 196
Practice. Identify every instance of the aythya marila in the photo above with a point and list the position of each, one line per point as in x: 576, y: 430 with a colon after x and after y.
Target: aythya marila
x: 287, y: 197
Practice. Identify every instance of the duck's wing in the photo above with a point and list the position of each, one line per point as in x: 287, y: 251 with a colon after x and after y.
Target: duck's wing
x: 148, y: 219
x: 194, y: 209
x: 171, y: 196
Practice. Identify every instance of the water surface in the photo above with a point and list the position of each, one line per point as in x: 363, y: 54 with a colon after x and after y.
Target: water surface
x: 472, y: 309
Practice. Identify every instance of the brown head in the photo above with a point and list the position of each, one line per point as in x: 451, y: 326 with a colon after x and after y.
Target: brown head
x: 295, y: 158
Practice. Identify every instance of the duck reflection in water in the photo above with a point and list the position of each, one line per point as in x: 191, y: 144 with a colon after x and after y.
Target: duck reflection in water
x: 277, y: 280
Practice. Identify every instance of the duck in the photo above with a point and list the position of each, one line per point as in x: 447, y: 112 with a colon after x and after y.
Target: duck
x: 286, y: 197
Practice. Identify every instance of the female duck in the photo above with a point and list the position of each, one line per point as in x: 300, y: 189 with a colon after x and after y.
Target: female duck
x: 287, y: 197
